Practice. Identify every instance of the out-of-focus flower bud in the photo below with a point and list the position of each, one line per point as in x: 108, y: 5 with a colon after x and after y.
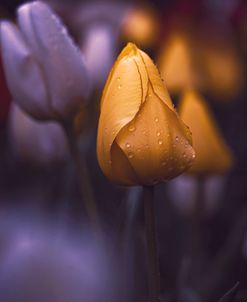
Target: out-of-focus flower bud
x: 212, y: 154
x: 100, y: 52
x: 140, y: 26
x: 223, y: 69
x: 177, y: 64
x: 141, y: 139
x: 40, y: 142
x: 45, y: 71
x: 73, y: 268
x: 184, y: 189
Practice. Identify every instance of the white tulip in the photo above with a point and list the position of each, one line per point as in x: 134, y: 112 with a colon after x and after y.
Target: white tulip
x: 40, y: 142
x: 100, y: 52
x: 183, y: 193
x: 45, y: 71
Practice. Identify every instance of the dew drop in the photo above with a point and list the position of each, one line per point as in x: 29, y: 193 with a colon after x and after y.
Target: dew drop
x: 119, y: 86
x: 156, y: 120
x: 193, y: 156
x: 176, y: 138
x: 132, y: 128
x: 158, y: 133
x: 127, y: 145
x: 130, y: 155
x: 160, y: 142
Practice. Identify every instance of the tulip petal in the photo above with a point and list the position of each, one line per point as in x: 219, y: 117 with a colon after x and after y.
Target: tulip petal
x: 213, y: 155
x: 156, y: 82
x: 42, y: 142
x: 158, y: 135
x: 122, y: 98
x: 23, y: 75
x: 122, y: 170
x: 64, y: 66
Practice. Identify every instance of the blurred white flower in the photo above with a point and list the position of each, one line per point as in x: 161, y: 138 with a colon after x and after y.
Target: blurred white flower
x: 100, y: 52
x: 41, y: 142
x: 183, y: 193
x: 45, y: 71
x: 98, y: 24
x: 41, y: 261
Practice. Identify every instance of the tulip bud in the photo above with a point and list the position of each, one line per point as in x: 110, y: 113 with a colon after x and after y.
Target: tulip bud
x: 177, y: 64
x: 40, y: 142
x: 221, y: 60
x: 212, y: 154
x: 99, y: 51
x: 141, y: 139
x: 45, y: 72
x: 141, y: 26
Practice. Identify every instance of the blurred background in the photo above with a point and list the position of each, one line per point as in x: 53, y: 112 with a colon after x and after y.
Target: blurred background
x: 45, y: 250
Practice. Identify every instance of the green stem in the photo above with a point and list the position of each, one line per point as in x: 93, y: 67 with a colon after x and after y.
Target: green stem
x: 82, y: 178
x: 152, y: 251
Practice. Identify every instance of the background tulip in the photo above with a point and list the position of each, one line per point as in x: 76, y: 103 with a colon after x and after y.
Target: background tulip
x: 45, y: 71
x: 141, y: 26
x: 177, y: 63
x: 41, y: 142
x: 213, y: 155
x: 99, y: 50
x: 141, y: 139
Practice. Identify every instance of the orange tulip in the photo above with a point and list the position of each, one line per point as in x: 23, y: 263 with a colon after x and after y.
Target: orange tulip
x: 177, y: 64
x: 141, y: 26
x: 141, y: 139
x: 212, y: 154
x: 223, y: 70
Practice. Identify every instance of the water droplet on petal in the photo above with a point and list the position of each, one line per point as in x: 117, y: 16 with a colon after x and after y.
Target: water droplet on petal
x: 160, y: 142
x: 158, y: 133
x: 176, y: 138
x: 156, y: 120
x: 119, y: 86
x: 130, y: 155
x: 132, y: 128
x: 193, y: 156
x: 127, y: 145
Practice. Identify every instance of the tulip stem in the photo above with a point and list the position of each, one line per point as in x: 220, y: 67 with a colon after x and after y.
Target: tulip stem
x: 82, y: 178
x: 151, y: 241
